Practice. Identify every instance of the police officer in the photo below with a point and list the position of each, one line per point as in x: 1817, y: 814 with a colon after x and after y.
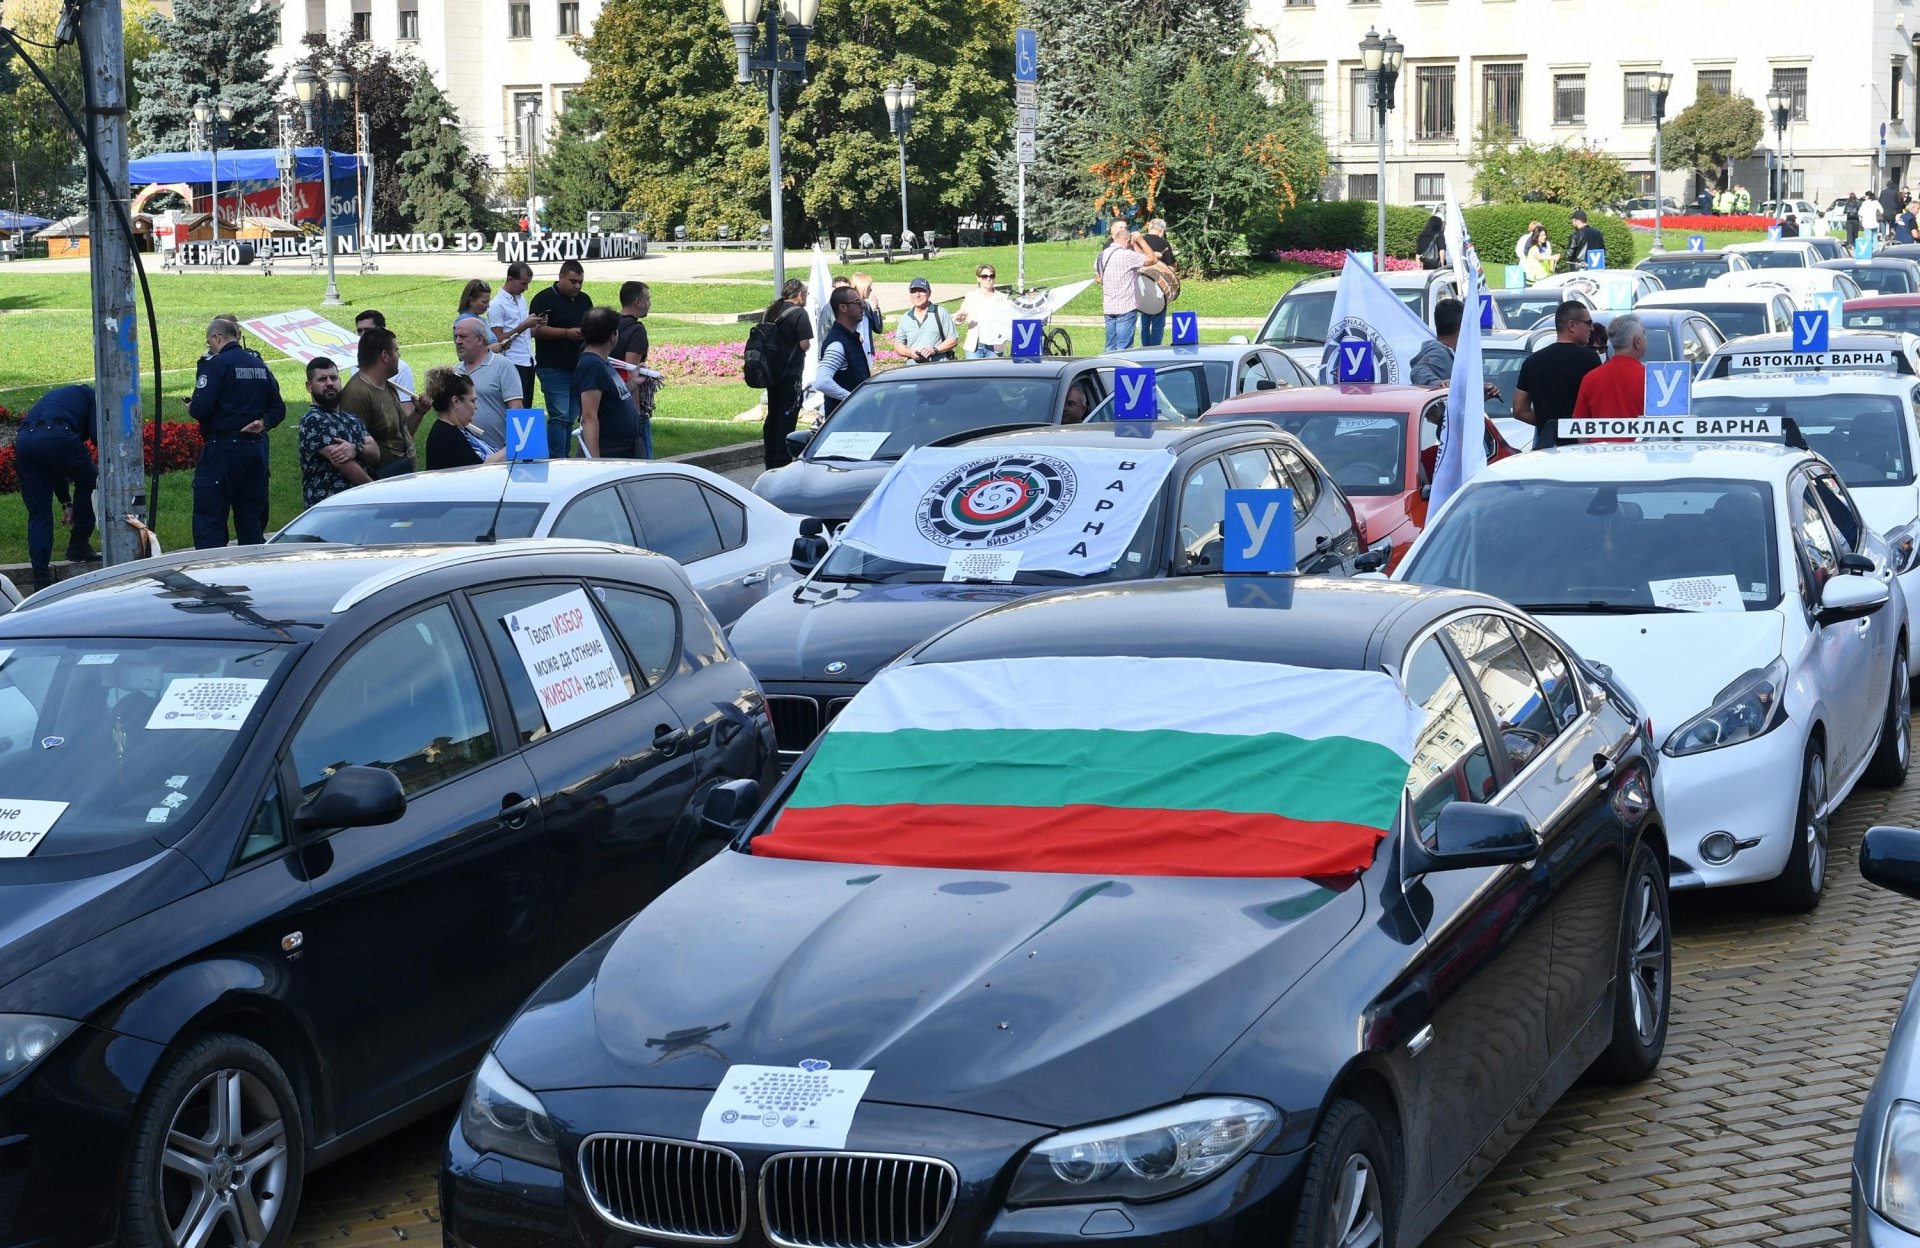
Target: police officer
x: 236, y: 400
x: 50, y: 455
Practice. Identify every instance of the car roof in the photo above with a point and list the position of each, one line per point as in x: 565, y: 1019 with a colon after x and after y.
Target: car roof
x: 1716, y: 253
x: 262, y: 593
x: 1307, y: 621
x: 1769, y: 244
x: 547, y: 480
x: 1663, y: 316
x: 1349, y: 396
x: 1204, y: 352
x: 1866, y: 302
x: 1855, y: 262
x: 999, y: 366
x: 1710, y: 294
x: 1393, y: 279
x: 1769, y: 385
x: 1651, y: 461
x: 1167, y: 435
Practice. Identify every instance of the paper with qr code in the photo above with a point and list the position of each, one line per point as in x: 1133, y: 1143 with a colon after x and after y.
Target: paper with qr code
x: 810, y: 1105
x: 207, y: 702
x: 1698, y: 593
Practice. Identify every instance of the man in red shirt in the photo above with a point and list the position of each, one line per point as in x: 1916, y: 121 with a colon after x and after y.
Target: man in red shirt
x: 1618, y: 388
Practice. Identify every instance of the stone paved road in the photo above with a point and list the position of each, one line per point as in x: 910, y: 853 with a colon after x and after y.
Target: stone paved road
x: 1743, y: 1137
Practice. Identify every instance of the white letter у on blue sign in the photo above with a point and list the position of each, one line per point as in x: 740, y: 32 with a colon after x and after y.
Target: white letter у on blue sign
x: 1669, y: 387
x: 1134, y: 395
x: 526, y: 433
x: 1028, y: 338
x: 1353, y: 361
x: 1810, y: 330
x: 1186, y: 329
x: 1259, y: 531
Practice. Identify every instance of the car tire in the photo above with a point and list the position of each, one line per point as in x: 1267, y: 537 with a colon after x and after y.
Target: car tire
x: 1350, y: 1183
x: 1798, y: 887
x: 1643, y: 976
x: 1888, y: 768
x: 218, y: 1136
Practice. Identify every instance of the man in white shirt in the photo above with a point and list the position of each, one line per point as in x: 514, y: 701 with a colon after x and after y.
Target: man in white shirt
x: 512, y: 324
x: 1870, y: 215
x: 496, y: 384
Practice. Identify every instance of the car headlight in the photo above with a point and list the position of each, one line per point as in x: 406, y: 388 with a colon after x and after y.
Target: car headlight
x: 1896, y: 1191
x: 1750, y: 707
x: 1905, y: 544
x: 1145, y: 1157
x: 26, y: 1038
x: 500, y: 1116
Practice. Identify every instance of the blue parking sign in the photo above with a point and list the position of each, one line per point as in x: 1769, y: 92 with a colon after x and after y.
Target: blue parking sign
x: 1134, y: 395
x: 1259, y: 531
x: 1597, y: 258
x: 1669, y: 387
x: 1810, y: 330
x: 1029, y: 337
x: 1696, y: 242
x: 1353, y: 361
x: 527, y: 433
x: 1186, y: 329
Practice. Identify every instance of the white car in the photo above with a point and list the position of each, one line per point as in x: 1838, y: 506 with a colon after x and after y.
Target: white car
x: 1610, y: 290
x: 1734, y: 312
x: 1737, y: 591
x: 1861, y: 423
x: 1299, y: 320
x: 735, y: 547
x: 1804, y: 214
x: 1778, y: 253
x: 1848, y: 351
x: 1801, y: 284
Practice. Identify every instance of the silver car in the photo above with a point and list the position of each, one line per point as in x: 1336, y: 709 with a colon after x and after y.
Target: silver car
x: 734, y: 546
x: 1886, y: 1152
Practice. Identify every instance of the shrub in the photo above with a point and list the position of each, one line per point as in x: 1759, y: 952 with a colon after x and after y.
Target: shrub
x: 180, y: 443
x: 1345, y: 225
x: 1497, y: 227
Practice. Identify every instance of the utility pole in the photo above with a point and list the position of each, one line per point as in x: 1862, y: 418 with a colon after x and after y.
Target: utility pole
x: 116, y: 357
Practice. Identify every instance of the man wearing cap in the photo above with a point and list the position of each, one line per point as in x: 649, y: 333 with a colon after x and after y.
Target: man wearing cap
x: 924, y: 333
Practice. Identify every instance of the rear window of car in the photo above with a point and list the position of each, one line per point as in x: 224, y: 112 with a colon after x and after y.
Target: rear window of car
x: 388, y: 524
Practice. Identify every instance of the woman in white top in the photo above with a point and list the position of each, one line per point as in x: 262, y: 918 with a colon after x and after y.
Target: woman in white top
x: 986, y: 316
x: 1536, y: 255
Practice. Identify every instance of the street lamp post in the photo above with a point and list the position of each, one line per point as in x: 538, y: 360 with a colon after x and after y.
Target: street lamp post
x: 213, y: 118
x: 1780, y: 105
x: 310, y: 89
x: 1382, y: 59
x: 1659, y: 82
x: 900, y: 101
x: 531, y: 119
x: 743, y: 20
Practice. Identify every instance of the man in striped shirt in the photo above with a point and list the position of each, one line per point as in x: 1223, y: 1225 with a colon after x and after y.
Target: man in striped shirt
x: 843, y: 361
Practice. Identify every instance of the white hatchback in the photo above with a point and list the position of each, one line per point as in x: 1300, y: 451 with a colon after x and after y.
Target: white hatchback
x: 1737, y: 591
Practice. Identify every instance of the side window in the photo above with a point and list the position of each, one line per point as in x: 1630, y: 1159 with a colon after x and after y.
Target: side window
x: 1554, y: 672
x: 1306, y: 484
x: 408, y: 700
x: 1450, y: 758
x: 729, y: 517
x: 1203, y: 507
x: 1816, y: 545
x: 1839, y: 509
x: 269, y: 829
x: 674, y: 519
x: 493, y: 607
x: 1505, y: 676
x: 648, y: 623
x: 1253, y: 375
x: 1709, y: 334
x: 1254, y: 469
x: 597, y: 517
x: 1180, y: 389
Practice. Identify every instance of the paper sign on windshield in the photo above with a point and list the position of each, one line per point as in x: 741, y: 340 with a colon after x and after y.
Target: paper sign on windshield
x: 851, y: 445
x: 982, y: 565
x: 1698, y: 593
x: 220, y: 702
x: 1588, y: 427
x: 809, y: 1105
x: 24, y: 824
x: 1869, y: 361
x: 567, y: 658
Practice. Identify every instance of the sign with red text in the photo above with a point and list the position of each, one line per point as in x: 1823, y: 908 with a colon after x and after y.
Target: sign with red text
x: 567, y: 658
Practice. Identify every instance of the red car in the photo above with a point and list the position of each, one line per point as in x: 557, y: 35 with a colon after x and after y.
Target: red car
x: 1895, y: 312
x: 1378, y: 441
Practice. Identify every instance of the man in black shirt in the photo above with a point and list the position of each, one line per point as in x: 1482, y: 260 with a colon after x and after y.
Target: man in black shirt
x: 792, y: 331
x: 630, y: 343
x: 556, y: 351
x: 1583, y: 240
x: 1549, y: 381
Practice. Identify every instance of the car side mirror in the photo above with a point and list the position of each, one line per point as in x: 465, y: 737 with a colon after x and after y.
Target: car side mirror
x: 797, y: 440
x: 1851, y: 598
x: 730, y: 805
x: 1856, y: 564
x: 1890, y: 857
x: 1266, y: 383
x: 1469, y: 834
x: 353, y: 797
x: 1376, y: 557
x: 811, y: 546
x: 1238, y: 340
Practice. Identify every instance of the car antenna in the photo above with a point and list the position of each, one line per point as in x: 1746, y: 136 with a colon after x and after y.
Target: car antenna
x: 492, y: 534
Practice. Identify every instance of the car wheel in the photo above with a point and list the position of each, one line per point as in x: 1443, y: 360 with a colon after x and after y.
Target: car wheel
x: 1889, y: 766
x: 1643, y: 980
x: 219, y: 1152
x: 1351, y: 1197
x: 1798, y: 887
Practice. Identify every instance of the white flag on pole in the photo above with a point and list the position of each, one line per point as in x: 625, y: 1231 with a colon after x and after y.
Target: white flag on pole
x: 1463, y: 438
x: 819, y: 287
x: 1460, y: 249
x: 1363, y: 308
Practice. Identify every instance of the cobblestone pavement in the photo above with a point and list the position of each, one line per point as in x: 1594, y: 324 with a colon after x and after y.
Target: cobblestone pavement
x: 1743, y: 1137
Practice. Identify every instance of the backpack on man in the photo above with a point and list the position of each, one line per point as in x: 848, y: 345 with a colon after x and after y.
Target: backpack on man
x: 764, y: 361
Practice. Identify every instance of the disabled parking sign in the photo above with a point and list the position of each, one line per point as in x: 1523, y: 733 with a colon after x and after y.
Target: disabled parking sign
x: 1259, y: 531
x: 527, y: 433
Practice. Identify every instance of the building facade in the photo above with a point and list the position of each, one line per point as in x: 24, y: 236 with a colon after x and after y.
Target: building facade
x: 507, y: 66
x: 1575, y: 71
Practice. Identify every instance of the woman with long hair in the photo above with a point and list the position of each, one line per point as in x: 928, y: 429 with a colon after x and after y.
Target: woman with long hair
x: 475, y: 297
x: 452, y: 441
x: 1536, y: 256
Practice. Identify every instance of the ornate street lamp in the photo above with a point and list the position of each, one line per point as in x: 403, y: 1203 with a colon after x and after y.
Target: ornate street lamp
x: 309, y: 89
x: 1659, y: 82
x: 900, y: 101
x: 1780, y: 105
x: 744, y: 18
x: 1382, y: 59
x: 213, y: 117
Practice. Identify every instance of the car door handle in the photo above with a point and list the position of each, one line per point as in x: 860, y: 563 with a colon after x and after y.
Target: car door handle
x: 1602, y: 768
x: 667, y: 739
x: 514, y: 810
x: 754, y: 578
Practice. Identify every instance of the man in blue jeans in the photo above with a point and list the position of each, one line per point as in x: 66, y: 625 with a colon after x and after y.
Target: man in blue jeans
x: 556, y: 352
x: 51, y: 456
x: 1118, y: 269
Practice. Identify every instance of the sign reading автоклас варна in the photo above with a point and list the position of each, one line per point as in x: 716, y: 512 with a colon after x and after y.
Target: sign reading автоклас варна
x: 1581, y: 428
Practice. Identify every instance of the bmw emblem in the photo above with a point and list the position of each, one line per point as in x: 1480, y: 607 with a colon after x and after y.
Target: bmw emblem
x: 836, y: 667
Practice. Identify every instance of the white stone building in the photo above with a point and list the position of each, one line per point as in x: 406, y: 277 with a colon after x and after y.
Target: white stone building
x: 1571, y: 71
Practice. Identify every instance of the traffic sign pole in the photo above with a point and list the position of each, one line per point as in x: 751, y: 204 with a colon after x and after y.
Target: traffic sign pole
x: 1026, y: 76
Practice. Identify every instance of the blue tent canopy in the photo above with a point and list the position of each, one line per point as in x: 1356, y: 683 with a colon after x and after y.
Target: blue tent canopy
x: 259, y: 164
x: 15, y: 221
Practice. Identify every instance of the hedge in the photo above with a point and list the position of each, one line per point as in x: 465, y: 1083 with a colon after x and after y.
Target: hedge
x: 1497, y: 227
x: 1341, y: 224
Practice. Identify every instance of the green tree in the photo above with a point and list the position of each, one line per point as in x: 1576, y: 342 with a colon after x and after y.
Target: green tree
x: 573, y: 176
x: 441, y: 187
x: 1711, y: 133
x: 383, y: 85
x: 1508, y: 170
x: 206, y: 50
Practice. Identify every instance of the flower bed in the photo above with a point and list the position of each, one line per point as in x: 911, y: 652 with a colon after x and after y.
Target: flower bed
x: 179, y: 448
x: 1707, y: 224
x: 1325, y: 259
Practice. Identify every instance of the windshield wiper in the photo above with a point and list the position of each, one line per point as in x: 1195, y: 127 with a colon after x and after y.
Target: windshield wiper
x: 1594, y: 606
x: 1290, y: 339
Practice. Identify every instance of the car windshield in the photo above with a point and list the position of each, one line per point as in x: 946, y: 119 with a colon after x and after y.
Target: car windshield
x: 1523, y: 308
x: 1891, y: 280
x: 927, y: 406
x: 846, y: 563
x: 1302, y: 319
x: 1901, y: 320
x: 1364, y: 451
x: 104, y: 743
x: 1784, y: 258
x: 387, y: 524
x: 1502, y: 368
x: 1735, y: 320
x: 1679, y: 274
x: 1621, y: 547
x: 1864, y: 436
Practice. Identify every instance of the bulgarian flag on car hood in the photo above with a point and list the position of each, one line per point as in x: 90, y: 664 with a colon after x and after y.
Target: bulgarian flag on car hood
x: 1106, y: 765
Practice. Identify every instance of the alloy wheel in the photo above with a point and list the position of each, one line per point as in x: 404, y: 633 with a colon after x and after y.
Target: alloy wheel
x: 1902, y: 711
x: 1358, y: 1220
x: 224, y: 1164
x: 1649, y: 962
x: 1815, y: 831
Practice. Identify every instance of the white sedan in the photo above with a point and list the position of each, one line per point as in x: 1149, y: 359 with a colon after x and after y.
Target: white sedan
x: 734, y: 546
x: 1802, y: 284
x: 1739, y: 594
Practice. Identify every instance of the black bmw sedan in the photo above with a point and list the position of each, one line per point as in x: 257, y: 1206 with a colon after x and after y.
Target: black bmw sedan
x: 286, y: 835
x: 1210, y: 912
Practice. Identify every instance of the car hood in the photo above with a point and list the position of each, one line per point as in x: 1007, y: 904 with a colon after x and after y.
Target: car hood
x: 997, y: 993
x: 1674, y: 664
x: 46, y: 912
x: 1884, y: 507
x: 829, y: 489
x: 794, y: 635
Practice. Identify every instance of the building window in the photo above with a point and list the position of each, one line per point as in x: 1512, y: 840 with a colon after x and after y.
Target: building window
x: 1362, y: 123
x: 569, y: 17
x: 1896, y: 87
x: 1500, y: 94
x: 316, y: 16
x: 1311, y: 85
x: 1429, y: 187
x: 363, y: 27
x: 1299, y: 4
x: 1363, y: 186
x: 526, y: 121
x: 1794, y: 83
x: 1719, y: 81
x: 1645, y: 181
x: 409, y: 23
x: 1433, y: 101
x: 1569, y: 99
x: 519, y: 20
x: 1639, y: 100
x: 1796, y: 183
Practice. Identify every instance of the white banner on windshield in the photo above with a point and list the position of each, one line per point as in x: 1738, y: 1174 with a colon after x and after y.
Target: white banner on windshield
x: 24, y: 824
x: 1588, y: 427
x: 1065, y: 509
